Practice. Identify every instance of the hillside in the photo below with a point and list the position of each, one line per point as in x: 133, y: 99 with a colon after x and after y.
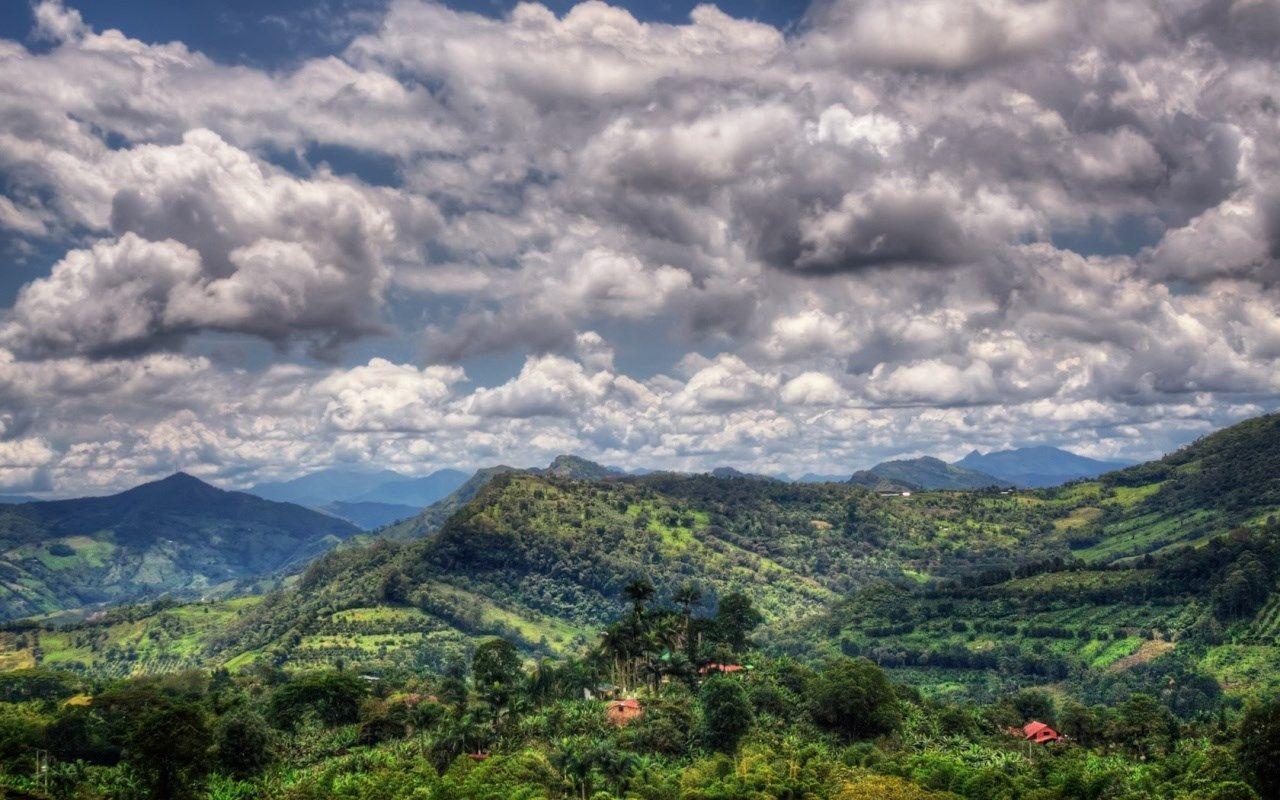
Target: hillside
x: 178, y: 536
x: 543, y: 560
x: 1037, y: 467
x: 433, y: 517
x: 923, y: 474
x: 956, y: 591
x: 578, y: 468
x: 1172, y: 580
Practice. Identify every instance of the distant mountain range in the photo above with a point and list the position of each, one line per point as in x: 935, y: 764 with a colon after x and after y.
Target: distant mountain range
x: 815, y: 477
x: 1023, y: 468
x: 921, y: 474
x: 182, y: 537
x: 1033, y: 467
x: 731, y: 472
x: 369, y: 516
x: 367, y: 498
x: 541, y: 558
x: 178, y: 536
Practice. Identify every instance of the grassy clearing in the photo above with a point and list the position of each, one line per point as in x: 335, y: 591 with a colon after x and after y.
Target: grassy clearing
x: 1079, y: 518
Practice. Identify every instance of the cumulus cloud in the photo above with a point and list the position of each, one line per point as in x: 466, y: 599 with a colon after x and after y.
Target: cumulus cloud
x: 903, y: 226
x: 811, y: 389
x: 210, y: 238
x: 931, y: 34
x: 382, y: 396
x: 55, y: 22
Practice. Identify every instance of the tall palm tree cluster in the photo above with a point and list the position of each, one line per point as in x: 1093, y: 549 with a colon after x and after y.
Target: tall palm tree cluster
x: 651, y: 643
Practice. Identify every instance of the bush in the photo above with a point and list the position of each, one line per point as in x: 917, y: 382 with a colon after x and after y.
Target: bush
x: 726, y: 713
x: 854, y: 699
x: 333, y: 697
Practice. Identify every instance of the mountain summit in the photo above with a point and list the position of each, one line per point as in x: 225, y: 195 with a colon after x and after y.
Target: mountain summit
x: 1040, y: 466
x: 177, y: 536
x: 923, y: 474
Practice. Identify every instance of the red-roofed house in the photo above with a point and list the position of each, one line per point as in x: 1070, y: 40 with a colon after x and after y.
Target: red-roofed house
x: 1040, y: 733
x: 723, y: 668
x: 622, y: 712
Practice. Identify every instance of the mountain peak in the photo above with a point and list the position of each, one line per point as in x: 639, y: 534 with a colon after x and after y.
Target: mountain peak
x: 181, y: 477
x: 1038, y: 465
x: 923, y: 473
x: 733, y: 472
x: 579, y: 468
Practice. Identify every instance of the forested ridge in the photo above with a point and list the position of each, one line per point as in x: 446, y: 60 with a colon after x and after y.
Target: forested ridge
x: 779, y: 640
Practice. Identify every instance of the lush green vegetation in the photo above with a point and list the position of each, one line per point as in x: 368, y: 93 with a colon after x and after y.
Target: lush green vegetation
x: 892, y: 642
x: 177, y: 537
x: 499, y: 727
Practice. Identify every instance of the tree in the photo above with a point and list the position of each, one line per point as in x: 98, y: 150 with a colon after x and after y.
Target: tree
x: 1143, y: 726
x: 334, y: 697
x: 735, y: 619
x: 687, y: 598
x: 1259, y: 751
x: 854, y: 699
x: 169, y: 743
x: 1034, y: 704
x: 1081, y: 724
x: 395, y: 588
x: 496, y: 672
x: 243, y: 743
x: 638, y: 593
x: 726, y: 713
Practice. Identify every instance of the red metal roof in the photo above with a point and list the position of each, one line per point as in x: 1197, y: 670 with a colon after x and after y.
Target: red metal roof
x: 1037, y: 731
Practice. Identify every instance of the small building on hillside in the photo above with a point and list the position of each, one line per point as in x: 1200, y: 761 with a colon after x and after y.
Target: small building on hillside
x: 1040, y: 733
x: 720, y: 669
x: 624, y: 712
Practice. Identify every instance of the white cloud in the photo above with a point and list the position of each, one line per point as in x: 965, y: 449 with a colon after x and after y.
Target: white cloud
x: 811, y: 389
x: 856, y: 218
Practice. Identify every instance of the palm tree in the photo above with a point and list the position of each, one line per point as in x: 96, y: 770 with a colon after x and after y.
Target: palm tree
x: 688, y: 596
x: 639, y: 592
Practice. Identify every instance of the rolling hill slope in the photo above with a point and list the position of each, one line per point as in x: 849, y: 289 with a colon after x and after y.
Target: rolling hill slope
x: 967, y: 592
x: 177, y: 536
x: 1172, y: 582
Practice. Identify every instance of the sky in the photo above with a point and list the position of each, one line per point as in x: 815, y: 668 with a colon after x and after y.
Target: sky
x: 251, y: 240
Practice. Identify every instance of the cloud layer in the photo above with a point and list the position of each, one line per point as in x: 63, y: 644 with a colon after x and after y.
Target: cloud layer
x: 903, y: 227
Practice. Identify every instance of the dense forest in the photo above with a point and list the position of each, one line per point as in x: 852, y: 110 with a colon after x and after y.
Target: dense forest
x: 706, y: 715
x: 580, y: 634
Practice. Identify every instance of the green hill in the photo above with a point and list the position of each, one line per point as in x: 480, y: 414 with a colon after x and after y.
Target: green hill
x: 956, y: 591
x: 543, y: 560
x: 178, y: 536
x: 923, y: 474
x: 1171, y: 579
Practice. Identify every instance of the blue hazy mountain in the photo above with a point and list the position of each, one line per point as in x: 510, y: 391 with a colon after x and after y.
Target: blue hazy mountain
x: 923, y: 474
x: 319, y: 489
x: 1037, y: 466
x: 368, y: 516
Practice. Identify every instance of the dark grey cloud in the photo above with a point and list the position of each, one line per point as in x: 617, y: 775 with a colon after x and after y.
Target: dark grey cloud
x: 849, y: 227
